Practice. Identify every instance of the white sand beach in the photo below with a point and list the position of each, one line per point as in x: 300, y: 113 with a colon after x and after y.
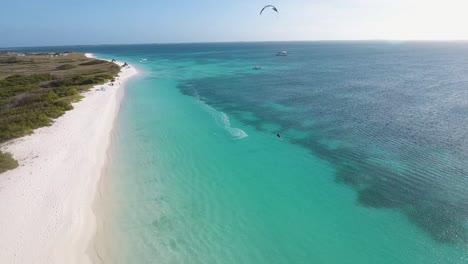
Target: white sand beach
x: 46, y: 203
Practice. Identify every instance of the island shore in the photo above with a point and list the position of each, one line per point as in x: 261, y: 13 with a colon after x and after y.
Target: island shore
x: 46, y: 203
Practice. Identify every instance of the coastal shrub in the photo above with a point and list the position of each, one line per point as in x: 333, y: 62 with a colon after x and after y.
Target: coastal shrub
x: 18, y: 79
x: 93, y: 62
x: 7, y: 162
x: 56, y: 83
x: 30, y: 101
x: 9, y: 91
x: 81, y: 80
x: 116, y: 68
x: 9, y: 60
x: 63, y: 105
x: 53, y: 112
x: 66, y: 91
x: 34, y: 111
x: 51, y: 96
x: 71, y: 92
x: 21, y: 123
x: 16, y: 84
x: 74, y: 99
x: 66, y: 67
x: 13, y: 130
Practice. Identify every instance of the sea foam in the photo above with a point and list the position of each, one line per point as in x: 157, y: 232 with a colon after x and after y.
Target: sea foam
x: 223, y: 120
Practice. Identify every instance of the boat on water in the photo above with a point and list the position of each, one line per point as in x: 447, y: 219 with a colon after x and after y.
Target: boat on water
x: 282, y: 53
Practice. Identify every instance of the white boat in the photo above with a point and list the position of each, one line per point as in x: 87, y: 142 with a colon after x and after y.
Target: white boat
x: 282, y: 53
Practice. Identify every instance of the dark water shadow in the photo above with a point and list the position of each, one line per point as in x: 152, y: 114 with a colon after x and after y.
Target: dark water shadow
x: 416, y: 192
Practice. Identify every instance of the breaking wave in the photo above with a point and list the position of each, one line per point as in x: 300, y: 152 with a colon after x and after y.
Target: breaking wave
x: 223, y: 120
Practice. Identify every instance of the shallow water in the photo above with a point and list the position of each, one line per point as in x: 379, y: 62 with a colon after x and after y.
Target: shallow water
x: 372, y: 167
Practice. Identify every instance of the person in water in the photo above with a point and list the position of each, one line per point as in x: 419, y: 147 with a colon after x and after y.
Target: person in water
x: 279, y: 136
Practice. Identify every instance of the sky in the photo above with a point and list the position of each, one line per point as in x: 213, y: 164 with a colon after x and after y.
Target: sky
x: 90, y: 22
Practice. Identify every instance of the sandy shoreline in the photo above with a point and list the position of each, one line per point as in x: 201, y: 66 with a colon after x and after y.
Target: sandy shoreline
x: 46, y: 204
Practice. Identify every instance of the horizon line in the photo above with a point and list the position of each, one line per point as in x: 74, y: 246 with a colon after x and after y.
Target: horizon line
x: 241, y: 41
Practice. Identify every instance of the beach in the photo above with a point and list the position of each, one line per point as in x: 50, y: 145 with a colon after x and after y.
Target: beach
x: 46, y: 203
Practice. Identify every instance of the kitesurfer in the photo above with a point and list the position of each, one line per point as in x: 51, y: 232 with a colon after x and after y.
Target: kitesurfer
x: 269, y: 6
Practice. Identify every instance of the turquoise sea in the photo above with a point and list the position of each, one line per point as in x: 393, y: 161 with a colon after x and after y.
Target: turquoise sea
x: 372, y: 168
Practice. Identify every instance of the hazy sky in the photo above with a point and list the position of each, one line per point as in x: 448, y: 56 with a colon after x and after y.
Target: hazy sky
x: 65, y: 22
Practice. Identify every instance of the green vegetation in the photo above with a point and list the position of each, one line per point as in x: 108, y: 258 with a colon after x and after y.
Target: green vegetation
x: 94, y: 62
x: 9, y: 60
x: 37, y: 88
x: 7, y: 162
x: 66, y: 67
